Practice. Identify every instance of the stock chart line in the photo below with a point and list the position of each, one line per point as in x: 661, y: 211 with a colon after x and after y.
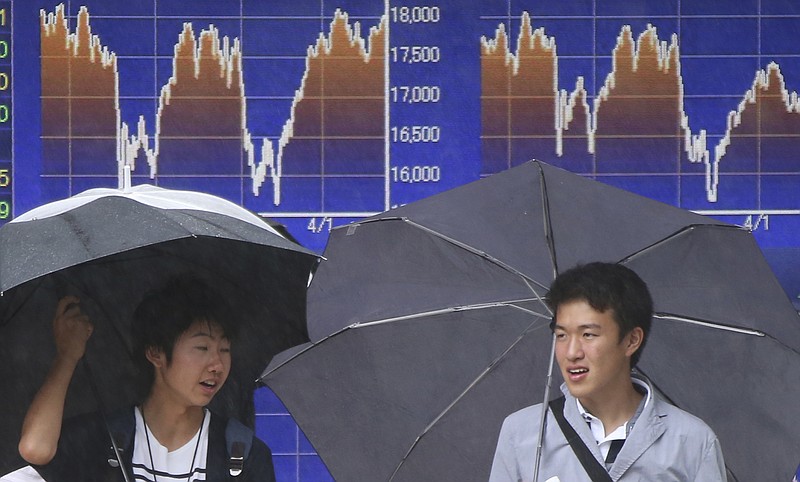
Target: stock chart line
x: 638, y: 113
x: 335, y: 126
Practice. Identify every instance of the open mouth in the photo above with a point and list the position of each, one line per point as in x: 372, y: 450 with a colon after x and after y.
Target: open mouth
x: 578, y: 371
x: 208, y: 384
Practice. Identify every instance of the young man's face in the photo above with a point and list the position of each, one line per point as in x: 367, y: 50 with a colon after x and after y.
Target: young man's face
x: 201, y: 362
x: 593, y: 360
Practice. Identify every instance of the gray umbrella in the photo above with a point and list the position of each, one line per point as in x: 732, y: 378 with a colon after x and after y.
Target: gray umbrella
x: 427, y: 326
x: 109, y: 247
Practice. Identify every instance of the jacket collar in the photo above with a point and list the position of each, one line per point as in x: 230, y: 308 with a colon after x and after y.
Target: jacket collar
x: 649, y: 428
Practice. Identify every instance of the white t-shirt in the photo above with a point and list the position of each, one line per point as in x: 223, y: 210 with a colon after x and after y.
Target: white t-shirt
x: 185, y: 464
x: 25, y: 474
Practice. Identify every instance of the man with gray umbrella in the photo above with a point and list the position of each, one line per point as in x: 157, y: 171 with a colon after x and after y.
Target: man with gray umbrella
x: 610, y: 424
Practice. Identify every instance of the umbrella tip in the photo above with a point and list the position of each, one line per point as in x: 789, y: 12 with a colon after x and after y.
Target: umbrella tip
x: 125, y: 179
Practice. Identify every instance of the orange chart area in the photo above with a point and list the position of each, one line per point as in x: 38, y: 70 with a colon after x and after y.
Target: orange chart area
x: 638, y: 114
x: 334, y: 128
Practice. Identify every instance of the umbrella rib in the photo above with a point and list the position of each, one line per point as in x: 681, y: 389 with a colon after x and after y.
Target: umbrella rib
x: 551, y: 247
x: 469, y: 387
x: 311, y: 345
x: 708, y: 324
x: 720, y: 326
x: 538, y: 297
x: 452, y: 309
x: 677, y: 233
x: 467, y: 247
x: 483, y: 254
x: 548, y: 225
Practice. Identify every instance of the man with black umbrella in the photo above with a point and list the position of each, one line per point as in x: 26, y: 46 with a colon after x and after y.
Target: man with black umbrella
x: 610, y: 424
x: 183, y: 341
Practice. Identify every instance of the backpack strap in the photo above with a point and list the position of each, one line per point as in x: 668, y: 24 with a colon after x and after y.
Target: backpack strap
x: 238, y: 440
x: 596, y: 472
x: 122, y: 427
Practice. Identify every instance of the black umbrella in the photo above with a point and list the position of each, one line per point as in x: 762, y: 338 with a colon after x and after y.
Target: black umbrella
x: 427, y: 326
x: 109, y: 247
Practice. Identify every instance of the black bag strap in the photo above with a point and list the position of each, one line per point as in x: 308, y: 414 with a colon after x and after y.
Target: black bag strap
x: 596, y: 471
x: 121, y: 426
x: 238, y: 439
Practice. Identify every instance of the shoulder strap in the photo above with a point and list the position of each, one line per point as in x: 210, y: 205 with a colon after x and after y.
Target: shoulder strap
x: 238, y: 439
x: 596, y: 472
x: 122, y: 426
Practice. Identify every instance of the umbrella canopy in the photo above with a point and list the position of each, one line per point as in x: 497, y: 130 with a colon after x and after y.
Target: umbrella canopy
x: 428, y: 327
x: 109, y: 247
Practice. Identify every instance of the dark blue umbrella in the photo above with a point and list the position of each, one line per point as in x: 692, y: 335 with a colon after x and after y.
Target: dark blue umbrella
x: 427, y: 326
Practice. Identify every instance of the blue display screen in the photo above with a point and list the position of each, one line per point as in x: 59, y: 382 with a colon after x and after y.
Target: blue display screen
x: 318, y: 113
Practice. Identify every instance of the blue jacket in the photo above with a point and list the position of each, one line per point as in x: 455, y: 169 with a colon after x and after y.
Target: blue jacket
x: 84, y: 451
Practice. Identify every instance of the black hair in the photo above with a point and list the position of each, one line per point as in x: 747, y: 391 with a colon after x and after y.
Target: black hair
x: 166, y: 312
x: 607, y: 286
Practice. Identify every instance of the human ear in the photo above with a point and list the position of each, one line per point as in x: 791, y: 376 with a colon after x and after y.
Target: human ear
x: 635, y: 338
x: 155, y: 356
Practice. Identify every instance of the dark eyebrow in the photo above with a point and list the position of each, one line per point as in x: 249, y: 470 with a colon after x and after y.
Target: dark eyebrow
x: 205, y: 334
x: 585, y: 326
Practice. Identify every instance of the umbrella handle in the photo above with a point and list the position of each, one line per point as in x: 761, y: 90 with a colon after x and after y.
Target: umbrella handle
x: 540, y: 440
x: 100, y: 404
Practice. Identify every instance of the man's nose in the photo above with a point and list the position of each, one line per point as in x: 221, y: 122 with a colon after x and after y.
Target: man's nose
x: 574, y: 348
